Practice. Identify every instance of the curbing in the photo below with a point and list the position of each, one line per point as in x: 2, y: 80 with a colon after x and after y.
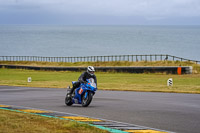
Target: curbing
x: 111, y: 126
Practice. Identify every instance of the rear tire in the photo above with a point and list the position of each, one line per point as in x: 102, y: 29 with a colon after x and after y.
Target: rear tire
x: 86, y: 101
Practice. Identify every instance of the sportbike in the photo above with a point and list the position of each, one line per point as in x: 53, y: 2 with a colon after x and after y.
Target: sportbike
x: 81, y: 95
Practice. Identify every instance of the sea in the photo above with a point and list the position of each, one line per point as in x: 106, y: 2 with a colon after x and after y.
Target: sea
x: 74, y: 41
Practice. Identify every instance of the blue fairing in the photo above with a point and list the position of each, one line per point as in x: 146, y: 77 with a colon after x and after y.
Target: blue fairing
x: 84, y: 89
x: 86, y: 93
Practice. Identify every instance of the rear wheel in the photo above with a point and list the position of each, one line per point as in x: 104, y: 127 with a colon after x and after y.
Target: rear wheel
x: 87, y: 100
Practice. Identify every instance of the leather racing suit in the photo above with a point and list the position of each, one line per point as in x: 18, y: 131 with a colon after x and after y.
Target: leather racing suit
x: 82, y: 79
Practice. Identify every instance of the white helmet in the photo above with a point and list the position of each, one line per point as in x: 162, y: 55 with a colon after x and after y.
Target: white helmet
x: 90, y: 70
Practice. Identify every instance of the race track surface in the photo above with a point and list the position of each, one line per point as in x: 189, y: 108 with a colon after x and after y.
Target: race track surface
x: 165, y: 111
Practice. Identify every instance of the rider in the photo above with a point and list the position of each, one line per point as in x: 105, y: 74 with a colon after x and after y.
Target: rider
x: 83, y: 78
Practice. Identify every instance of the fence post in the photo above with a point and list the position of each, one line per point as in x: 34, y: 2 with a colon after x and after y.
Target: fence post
x: 136, y: 58
x: 150, y: 57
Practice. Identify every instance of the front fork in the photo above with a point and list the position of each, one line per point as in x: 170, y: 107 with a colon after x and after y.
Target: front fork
x: 86, y: 94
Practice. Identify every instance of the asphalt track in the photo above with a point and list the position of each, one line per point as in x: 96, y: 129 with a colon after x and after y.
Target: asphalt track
x: 165, y: 111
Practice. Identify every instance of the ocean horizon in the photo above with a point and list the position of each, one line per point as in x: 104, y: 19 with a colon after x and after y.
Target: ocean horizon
x: 72, y: 41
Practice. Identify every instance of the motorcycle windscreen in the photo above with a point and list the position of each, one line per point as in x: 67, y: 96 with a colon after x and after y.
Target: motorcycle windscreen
x: 92, y: 83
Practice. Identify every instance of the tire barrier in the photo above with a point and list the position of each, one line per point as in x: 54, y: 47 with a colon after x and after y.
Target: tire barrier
x: 156, y: 69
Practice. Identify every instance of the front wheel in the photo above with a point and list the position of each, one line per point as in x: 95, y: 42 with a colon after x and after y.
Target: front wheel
x: 86, y: 100
x: 68, y: 100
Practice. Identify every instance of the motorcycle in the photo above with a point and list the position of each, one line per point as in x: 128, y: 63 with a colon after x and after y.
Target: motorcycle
x: 81, y: 95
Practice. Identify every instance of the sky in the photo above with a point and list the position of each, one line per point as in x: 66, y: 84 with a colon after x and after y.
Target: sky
x: 100, y: 12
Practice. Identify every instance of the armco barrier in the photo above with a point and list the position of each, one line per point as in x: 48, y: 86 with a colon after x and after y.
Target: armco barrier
x: 129, y: 58
x: 160, y: 69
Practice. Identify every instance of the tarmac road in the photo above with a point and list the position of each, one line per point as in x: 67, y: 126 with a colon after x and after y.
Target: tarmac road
x: 165, y: 111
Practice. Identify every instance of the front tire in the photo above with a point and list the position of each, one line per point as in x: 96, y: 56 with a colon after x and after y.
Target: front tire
x: 86, y: 101
x: 68, y: 100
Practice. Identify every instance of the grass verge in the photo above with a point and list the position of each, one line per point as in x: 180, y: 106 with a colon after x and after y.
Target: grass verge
x: 106, y: 81
x: 15, y: 122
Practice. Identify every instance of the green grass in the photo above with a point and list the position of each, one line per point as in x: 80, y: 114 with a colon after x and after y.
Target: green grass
x: 106, y: 81
x: 15, y: 122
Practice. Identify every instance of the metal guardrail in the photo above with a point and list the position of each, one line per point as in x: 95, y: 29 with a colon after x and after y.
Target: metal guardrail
x: 131, y: 58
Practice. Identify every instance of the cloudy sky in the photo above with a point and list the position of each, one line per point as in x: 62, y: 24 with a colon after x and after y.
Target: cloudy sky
x: 100, y: 12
